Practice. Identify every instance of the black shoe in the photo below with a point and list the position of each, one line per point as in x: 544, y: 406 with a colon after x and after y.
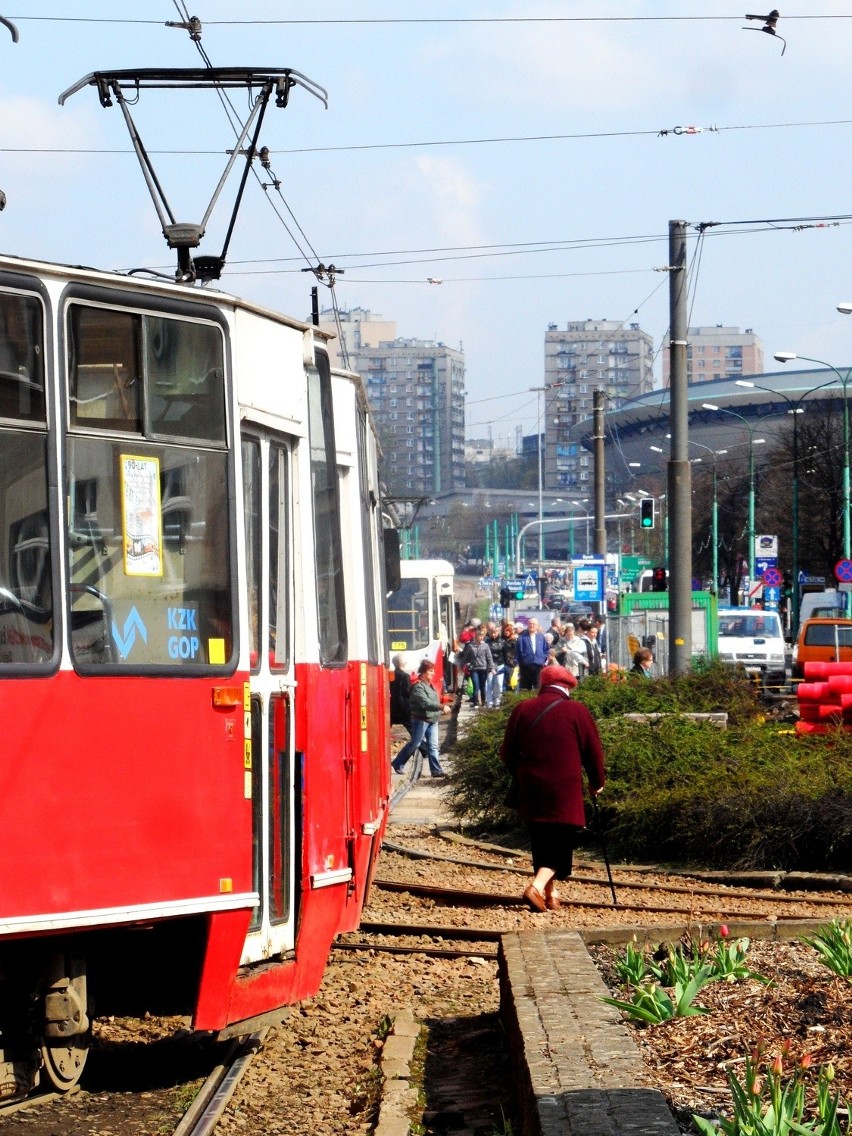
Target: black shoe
x: 438, y: 777
x: 398, y: 772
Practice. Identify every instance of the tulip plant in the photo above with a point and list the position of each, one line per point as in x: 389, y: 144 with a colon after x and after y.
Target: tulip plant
x: 834, y: 945
x: 770, y: 1106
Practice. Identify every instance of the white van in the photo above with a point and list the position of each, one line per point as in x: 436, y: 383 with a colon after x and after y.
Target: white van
x: 753, y: 638
x: 828, y: 604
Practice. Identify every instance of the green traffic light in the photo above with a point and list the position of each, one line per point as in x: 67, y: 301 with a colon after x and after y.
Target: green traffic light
x: 519, y: 595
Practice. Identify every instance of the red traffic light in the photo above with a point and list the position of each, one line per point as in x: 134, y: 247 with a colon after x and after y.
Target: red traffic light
x: 659, y: 580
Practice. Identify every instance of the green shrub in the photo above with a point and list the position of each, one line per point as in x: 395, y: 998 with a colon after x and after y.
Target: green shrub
x: 679, y: 791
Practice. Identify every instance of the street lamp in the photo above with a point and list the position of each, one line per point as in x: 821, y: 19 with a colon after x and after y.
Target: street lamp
x: 714, y: 515
x: 788, y: 357
x: 752, y: 442
x: 793, y: 407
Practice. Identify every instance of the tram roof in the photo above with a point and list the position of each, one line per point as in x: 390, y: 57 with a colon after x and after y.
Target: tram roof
x: 159, y: 286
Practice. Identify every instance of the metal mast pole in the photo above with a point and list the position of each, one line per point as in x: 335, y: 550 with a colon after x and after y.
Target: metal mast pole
x: 600, y: 475
x: 679, y: 471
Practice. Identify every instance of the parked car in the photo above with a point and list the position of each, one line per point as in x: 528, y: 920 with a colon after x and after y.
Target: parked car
x: 571, y: 611
x: 822, y: 641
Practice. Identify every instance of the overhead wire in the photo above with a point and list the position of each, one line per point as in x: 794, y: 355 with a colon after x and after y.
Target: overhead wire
x: 323, y: 274
x: 423, y: 144
x: 417, y: 20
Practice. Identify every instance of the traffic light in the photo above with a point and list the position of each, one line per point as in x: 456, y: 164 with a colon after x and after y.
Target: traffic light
x: 505, y: 597
x: 646, y: 513
x: 659, y: 580
x: 519, y: 594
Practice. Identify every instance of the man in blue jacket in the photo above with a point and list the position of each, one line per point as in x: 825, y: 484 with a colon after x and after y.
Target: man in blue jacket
x: 531, y: 655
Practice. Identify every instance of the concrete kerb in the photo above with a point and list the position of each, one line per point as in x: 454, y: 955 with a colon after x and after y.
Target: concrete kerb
x: 399, y: 1094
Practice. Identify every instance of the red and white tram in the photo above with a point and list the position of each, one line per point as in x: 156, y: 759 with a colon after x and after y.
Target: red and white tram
x: 193, y: 681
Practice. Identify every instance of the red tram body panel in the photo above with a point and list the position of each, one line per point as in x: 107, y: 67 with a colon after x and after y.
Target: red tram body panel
x: 194, y: 779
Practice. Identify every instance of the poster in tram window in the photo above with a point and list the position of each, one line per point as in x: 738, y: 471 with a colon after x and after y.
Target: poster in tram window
x: 141, y: 516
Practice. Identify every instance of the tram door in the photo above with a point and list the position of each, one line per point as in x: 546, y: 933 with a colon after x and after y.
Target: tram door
x: 267, y: 485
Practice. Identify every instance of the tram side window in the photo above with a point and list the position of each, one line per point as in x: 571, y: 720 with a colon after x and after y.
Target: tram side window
x: 21, y: 358
x: 369, y: 522
x: 253, y: 525
x: 328, y: 544
x: 280, y: 569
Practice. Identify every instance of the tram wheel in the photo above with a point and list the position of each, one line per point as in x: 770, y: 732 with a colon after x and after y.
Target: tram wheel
x: 66, y: 1030
x: 64, y: 1063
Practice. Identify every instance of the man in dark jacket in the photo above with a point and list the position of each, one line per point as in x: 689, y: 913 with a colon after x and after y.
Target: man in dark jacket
x: 531, y: 655
x: 400, y: 694
x: 549, y: 741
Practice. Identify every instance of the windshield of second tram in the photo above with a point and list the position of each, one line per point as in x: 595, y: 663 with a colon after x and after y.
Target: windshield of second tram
x: 408, y: 615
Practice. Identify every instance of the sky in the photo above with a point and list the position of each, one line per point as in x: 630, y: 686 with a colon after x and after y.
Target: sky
x: 511, y: 151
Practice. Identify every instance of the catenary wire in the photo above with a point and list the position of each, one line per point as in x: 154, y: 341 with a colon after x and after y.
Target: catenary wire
x: 431, y: 143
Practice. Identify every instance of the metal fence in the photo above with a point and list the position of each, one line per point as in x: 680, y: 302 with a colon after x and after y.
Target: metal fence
x: 625, y: 634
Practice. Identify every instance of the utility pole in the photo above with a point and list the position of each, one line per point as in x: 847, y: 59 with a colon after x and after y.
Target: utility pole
x: 600, y: 474
x: 679, y: 471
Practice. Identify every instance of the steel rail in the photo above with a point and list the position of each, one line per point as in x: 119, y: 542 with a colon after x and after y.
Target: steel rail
x: 461, y: 898
x: 727, y: 891
x: 206, y: 1110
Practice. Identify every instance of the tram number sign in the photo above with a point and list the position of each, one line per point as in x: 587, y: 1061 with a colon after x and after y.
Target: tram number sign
x: 773, y: 578
x: 843, y: 571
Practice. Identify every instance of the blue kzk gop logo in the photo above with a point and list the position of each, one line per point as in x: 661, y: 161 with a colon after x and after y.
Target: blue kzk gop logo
x: 126, y: 637
x: 182, y: 642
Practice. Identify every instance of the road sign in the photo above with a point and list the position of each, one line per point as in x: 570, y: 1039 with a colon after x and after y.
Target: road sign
x: 773, y: 578
x: 755, y: 590
x: 843, y: 571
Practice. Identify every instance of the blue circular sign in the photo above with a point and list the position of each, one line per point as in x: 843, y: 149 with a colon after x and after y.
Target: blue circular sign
x: 772, y: 578
x: 843, y: 571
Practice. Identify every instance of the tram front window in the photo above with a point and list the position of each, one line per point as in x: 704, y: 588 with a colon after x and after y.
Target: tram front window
x: 408, y: 616
x: 150, y: 562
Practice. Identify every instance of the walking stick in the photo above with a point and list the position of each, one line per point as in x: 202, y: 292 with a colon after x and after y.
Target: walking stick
x: 599, y: 826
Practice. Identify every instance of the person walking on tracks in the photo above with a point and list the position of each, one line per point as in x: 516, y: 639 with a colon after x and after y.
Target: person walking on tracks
x: 548, y: 742
x: 426, y: 709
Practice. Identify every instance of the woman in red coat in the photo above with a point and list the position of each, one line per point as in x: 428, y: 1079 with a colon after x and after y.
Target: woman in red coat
x: 549, y: 741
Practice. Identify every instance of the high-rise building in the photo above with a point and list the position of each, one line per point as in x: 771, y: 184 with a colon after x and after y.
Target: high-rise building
x: 416, y: 391
x: 354, y: 329
x: 415, y: 388
x: 582, y: 357
x: 719, y: 353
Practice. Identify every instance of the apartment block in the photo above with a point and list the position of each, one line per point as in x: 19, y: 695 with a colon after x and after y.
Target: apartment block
x: 416, y: 392
x: 354, y: 329
x: 719, y: 353
x: 584, y: 356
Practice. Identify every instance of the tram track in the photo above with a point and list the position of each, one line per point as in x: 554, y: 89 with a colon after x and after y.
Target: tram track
x: 727, y: 891
x: 212, y: 1099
